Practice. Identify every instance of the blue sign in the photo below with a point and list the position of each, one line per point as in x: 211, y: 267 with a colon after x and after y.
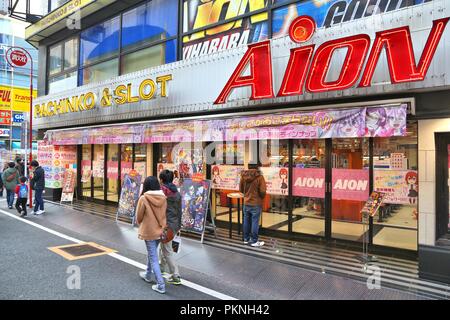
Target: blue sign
x: 18, y: 117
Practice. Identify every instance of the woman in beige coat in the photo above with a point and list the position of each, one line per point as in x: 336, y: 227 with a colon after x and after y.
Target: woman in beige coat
x: 151, y: 218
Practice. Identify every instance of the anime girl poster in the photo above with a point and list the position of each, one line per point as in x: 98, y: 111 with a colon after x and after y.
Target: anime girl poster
x: 129, y: 195
x: 194, y: 204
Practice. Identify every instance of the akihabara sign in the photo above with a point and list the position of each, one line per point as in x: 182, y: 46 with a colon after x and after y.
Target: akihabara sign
x: 308, y: 68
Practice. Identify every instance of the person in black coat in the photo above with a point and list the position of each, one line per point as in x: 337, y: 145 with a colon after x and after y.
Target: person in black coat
x: 20, y: 167
x: 38, y: 185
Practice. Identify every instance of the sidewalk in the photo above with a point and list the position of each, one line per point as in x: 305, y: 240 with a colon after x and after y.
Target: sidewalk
x: 235, y: 274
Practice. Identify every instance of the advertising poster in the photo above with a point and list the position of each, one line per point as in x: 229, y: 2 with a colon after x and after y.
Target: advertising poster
x: 86, y: 172
x: 327, y: 13
x: 68, y: 186
x: 373, y: 203
x: 195, y: 202
x: 98, y: 169
x: 16, y: 98
x: 350, y: 184
x: 112, y: 170
x: 276, y: 180
x: 226, y: 177
x: 309, y: 182
x: 189, y: 162
x: 400, y: 186
x: 129, y: 194
x: 55, y: 160
x: 126, y: 167
x: 171, y: 167
x: 200, y: 14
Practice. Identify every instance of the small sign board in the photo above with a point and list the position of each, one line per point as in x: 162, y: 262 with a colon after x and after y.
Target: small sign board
x: 373, y: 203
x: 68, y: 187
x: 129, y: 195
x: 194, y: 204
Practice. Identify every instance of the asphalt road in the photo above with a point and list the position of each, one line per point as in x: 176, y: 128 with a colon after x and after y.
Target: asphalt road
x: 29, y: 270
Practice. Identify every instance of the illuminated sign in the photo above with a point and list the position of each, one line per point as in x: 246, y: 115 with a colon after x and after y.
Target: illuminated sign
x: 308, y: 68
x: 122, y: 94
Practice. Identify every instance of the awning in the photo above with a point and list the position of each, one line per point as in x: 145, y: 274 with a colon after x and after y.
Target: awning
x: 380, y: 121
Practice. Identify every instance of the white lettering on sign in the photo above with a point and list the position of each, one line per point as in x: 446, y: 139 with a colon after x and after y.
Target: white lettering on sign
x: 309, y: 182
x: 345, y: 184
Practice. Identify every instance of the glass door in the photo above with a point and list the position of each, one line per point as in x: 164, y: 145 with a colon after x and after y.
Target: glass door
x: 442, y: 186
x: 98, y: 172
x: 349, y: 187
x: 86, y: 171
x: 112, y: 169
x: 308, y: 187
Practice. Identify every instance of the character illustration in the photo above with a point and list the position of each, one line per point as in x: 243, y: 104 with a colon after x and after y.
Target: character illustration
x: 350, y: 126
x: 216, y: 179
x: 176, y: 178
x: 283, y: 176
x: 376, y: 122
x: 411, y: 181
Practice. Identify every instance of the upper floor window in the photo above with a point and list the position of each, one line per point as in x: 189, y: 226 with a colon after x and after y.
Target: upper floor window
x: 152, y: 22
x: 100, y: 42
x: 62, y: 64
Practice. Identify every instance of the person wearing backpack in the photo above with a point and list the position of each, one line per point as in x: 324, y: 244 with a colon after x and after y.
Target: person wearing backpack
x: 22, y: 197
x: 38, y: 185
x: 173, y: 217
x: 10, y: 179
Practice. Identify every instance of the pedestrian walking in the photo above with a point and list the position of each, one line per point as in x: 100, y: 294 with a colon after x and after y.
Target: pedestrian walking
x: 151, y: 218
x: 22, y: 197
x: 253, y: 186
x: 38, y: 185
x: 1, y: 185
x: 10, y: 179
x: 20, y: 167
x: 173, y: 218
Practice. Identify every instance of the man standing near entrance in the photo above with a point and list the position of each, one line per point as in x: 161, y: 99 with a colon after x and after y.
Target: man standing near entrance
x: 253, y: 186
x: 38, y: 185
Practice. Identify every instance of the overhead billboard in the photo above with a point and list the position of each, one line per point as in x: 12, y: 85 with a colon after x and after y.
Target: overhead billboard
x: 15, y: 98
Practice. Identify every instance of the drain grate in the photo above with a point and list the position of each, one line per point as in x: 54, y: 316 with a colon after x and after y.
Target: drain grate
x: 81, y: 251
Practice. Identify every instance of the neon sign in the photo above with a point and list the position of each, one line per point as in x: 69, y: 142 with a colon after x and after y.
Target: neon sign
x: 307, y: 68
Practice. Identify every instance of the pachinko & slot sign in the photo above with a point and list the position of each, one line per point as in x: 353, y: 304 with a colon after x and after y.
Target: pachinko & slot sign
x: 308, y: 66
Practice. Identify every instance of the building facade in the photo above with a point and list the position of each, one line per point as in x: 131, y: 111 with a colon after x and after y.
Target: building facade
x: 332, y: 99
x: 14, y: 89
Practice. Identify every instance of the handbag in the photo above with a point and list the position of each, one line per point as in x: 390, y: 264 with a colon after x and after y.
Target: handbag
x: 167, y: 235
x: 176, y: 242
x: 11, y: 177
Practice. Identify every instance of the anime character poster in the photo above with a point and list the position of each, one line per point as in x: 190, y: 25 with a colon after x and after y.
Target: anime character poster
x: 195, y: 201
x: 129, y: 195
x: 226, y: 177
x: 400, y: 186
x: 276, y: 180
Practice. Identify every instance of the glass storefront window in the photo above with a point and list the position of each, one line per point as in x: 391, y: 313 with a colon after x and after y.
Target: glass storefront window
x: 350, y: 187
x: 70, y: 53
x: 55, y: 60
x: 99, y: 72
x: 126, y: 154
x: 86, y: 171
x: 308, y: 189
x: 98, y: 169
x: 112, y: 173
x: 140, y: 160
x: 395, y: 173
x: 100, y: 42
x: 63, y: 82
x: 156, y: 20
x: 149, y: 57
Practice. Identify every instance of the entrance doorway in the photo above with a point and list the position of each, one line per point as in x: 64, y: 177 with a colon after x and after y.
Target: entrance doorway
x: 442, y: 185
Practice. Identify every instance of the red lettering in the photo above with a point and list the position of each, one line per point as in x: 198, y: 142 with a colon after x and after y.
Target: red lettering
x: 258, y: 57
x: 295, y: 75
x: 400, y: 54
x: 357, y: 47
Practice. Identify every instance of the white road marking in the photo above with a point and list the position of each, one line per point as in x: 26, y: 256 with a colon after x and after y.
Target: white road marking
x: 139, y: 265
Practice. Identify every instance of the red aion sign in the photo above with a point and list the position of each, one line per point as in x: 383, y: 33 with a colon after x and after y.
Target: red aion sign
x: 308, y: 67
x: 18, y: 58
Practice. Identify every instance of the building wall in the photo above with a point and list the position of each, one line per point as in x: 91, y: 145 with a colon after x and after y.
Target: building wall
x: 427, y: 178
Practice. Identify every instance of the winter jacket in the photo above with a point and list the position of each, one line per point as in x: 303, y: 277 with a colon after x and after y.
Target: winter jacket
x: 173, y: 212
x: 38, y: 180
x: 151, y: 215
x: 253, y: 186
x: 21, y: 169
x: 10, y: 185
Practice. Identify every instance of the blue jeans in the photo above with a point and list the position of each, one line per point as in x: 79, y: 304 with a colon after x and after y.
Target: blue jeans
x: 251, y: 223
x: 39, y: 200
x: 10, y: 198
x: 153, y: 263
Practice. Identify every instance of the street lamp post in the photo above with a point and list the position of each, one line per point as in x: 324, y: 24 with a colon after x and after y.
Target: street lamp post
x: 18, y: 57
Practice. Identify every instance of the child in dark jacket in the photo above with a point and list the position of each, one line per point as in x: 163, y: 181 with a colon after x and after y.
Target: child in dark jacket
x: 22, y: 197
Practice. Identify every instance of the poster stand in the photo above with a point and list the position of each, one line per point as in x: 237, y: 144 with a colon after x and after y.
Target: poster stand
x: 369, y: 210
x: 68, y: 186
x: 206, y: 202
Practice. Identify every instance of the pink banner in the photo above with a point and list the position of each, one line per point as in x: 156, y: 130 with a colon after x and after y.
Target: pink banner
x: 113, y: 170
x: 350, y: 184
x: 309, y: 182
x: 125, y: 168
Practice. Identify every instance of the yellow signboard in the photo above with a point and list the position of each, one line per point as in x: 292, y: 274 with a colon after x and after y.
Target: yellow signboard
x: 57, y: 15
x: 15, y: 99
